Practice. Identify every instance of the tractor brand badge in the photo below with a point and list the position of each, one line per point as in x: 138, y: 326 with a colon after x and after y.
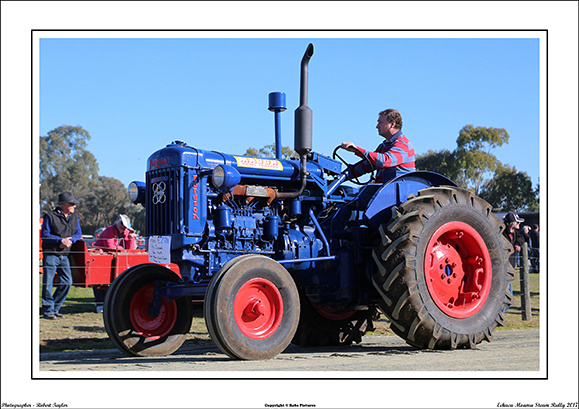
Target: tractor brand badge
x: 258, y: 163
x: 159, y: 192
x: 195, y: 199
x: 157, y: 163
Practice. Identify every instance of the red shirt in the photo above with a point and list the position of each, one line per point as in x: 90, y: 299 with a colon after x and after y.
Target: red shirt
x: 111, y: 239
x: 397, y: 154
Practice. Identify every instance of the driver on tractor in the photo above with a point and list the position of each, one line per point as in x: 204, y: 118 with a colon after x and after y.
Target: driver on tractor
x: 393, y: 157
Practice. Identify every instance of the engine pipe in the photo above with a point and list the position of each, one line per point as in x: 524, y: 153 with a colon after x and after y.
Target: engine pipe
x: 337, y: 182
x: 303, y: 176
x: 304, y: 260
x: 320, y: 231
x: 303, y: 114
x: 277, y: 105
x: 303, y: 126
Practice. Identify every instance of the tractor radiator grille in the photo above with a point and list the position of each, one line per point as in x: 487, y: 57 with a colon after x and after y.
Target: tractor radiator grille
x: 164, y: 209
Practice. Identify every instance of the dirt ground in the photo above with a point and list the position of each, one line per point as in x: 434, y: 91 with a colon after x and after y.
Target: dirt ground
x: 511, y: 350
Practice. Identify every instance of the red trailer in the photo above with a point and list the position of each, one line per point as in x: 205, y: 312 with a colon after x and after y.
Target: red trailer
x: 94, y: 267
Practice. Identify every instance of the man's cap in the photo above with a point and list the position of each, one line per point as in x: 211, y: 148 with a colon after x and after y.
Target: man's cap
x: 125, y: 221
x: 67, y: 197
x: 512, y: 217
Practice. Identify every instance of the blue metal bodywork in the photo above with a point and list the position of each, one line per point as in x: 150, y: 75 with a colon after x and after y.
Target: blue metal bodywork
x: 323, y: 237
x: 397, y: 190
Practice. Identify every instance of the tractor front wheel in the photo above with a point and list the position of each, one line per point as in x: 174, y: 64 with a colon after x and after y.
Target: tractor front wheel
x: 252, y: 308
x: 443, y: 270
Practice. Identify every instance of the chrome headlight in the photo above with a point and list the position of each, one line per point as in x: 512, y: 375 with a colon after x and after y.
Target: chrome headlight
x: 225, y: 177
x: 137, y: 192
x: 218, y: 177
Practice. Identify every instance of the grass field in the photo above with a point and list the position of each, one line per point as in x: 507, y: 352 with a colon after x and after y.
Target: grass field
x: 83, y: 329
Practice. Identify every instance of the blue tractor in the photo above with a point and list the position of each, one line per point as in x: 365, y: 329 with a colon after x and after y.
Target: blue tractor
x: 281, y: 250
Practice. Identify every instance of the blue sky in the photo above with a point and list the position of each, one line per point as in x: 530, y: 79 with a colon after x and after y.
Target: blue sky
x: 136, y: 95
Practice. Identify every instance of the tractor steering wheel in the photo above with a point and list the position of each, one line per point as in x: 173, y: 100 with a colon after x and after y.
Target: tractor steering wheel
x: 348, y: 165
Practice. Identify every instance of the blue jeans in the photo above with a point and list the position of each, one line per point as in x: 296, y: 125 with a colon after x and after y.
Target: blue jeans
x: 52, y: 263
x: 99, y: 296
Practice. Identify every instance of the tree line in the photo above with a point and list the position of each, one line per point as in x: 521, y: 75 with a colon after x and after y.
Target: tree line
x: 473, y: 166
x: 67, y: 166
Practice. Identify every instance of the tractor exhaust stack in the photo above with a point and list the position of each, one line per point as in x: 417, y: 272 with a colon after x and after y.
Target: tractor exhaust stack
x: 303, y: 127
x: 303, y: 114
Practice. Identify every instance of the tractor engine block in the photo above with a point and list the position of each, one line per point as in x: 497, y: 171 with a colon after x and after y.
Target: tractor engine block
x: 243, y: 228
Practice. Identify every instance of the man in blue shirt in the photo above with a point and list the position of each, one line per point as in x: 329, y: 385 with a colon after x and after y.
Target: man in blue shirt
x: 60, y: 228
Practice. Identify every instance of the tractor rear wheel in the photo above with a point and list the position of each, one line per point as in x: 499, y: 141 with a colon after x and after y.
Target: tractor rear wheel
x: 443, y: 270
x: 325, y: 326
x: 252, y: 308
x: 134, y: 325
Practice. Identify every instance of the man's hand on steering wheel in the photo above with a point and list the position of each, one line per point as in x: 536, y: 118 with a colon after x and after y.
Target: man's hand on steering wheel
x: 349, y: 146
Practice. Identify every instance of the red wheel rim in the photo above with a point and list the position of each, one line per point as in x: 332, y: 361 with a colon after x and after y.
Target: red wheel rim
x: 258, y: 308
x: 458, y: 270
x: 143, y: 322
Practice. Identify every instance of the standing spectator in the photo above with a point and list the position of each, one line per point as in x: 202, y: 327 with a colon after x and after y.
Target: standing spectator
x: 511, y: 232
x: 525, y: 233
x: 535, y: 247
x: 118, y: 236
x: 535, y: 236
x: 60, y: 229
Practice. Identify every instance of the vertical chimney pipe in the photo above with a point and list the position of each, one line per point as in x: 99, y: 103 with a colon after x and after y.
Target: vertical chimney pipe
x: 303, y: 114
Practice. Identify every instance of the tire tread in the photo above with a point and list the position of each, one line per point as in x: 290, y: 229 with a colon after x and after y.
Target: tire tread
x: 396, y: 259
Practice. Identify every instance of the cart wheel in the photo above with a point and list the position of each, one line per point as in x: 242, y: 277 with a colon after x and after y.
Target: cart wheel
x: 252, y: 308
x: 131, y: 322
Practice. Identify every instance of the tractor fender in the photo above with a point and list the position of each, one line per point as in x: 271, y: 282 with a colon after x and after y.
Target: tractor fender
x: 396, y: 191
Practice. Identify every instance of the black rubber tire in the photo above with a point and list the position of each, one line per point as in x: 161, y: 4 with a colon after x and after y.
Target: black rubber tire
x: 108, y: 308
x: 401, y: 279
x: 316, y: 330
x: 117, y: 313
x: 220, y: 300
x: 208, y: 308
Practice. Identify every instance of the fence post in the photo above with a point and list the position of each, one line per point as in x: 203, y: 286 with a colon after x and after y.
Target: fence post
x: 525, y: 292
